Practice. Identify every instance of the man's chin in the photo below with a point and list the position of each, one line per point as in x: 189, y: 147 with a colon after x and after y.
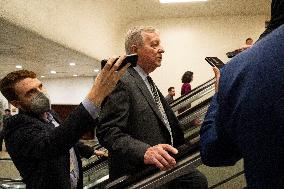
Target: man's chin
x: 158, y: 64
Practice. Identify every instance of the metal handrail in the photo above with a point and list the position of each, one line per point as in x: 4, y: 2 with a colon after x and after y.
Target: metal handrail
x: 176, y: 101
x: 193, y: 91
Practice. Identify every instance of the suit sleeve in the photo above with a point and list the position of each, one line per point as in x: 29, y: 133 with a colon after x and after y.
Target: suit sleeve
x: 216, y: 148
x: 30, y: 140
x: 114, y: 125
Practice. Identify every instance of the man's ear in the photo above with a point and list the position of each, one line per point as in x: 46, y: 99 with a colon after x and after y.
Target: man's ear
x: 134, y: 49
x: 16, y: 103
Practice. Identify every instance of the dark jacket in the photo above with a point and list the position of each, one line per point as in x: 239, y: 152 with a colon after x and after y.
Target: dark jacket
x: 130, y: 122
x: 41, y: 152
x: 245, y: 119
x: 277, y: 17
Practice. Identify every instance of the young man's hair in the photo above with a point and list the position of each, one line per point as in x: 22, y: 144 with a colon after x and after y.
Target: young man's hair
x: 7, y: 84
x: 170, y: 89
x: 248, y: 39
x: 7, y: 110
x: 134, y: 37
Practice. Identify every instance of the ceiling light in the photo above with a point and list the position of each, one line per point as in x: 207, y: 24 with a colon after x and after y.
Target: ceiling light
x: 19, y: 66
x: 179, y: 1
x: 96, y: 70
x: 42, y: 76
x: 53, y: 72
x: 72, y: 64
x: 75, y: 75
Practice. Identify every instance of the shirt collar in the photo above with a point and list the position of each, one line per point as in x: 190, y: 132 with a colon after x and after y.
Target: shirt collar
x: 141, y: 72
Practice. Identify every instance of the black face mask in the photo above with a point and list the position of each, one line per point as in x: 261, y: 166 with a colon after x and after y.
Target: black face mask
x: 40, y: 103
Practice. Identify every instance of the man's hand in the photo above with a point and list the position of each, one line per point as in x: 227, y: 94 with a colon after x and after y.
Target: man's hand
x: 106, y: 80
x: 158, y: 156
x: 101, y: 153
x: 217, y: 77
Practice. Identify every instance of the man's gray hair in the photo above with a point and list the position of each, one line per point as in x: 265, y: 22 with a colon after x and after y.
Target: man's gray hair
x: 134, y: 36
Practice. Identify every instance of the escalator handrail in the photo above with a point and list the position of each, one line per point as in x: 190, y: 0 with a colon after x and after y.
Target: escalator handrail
x: 93, y: 164
x: 161, y: 178
x: 182, y: 98
x: 126, y: 180
x: 194, y: 109
x: 191, y: 97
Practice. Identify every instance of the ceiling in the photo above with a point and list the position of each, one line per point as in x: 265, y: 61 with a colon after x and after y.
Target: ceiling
x: 48, y: 35
x: 21, y: 47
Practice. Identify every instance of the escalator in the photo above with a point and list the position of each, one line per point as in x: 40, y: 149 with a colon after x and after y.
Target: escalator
x: 194, y: 96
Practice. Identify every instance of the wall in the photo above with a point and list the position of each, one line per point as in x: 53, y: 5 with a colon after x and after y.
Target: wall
x: 3, y: 101
x: 188, y: 41
x: 68, y: 90
x: 74, y: 24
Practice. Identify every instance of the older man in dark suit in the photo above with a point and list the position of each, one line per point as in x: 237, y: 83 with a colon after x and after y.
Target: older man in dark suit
x: 137, y: 125
x: 41, y: 146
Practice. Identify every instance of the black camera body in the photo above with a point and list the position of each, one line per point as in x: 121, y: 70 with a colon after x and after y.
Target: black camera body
x: 131, y: 58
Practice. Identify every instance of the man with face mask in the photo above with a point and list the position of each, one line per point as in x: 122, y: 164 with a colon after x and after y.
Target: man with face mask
x: 43, y: 148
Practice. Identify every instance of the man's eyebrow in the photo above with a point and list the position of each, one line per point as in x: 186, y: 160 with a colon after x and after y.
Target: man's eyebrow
x: 155, y: 41
x: 31, y: 91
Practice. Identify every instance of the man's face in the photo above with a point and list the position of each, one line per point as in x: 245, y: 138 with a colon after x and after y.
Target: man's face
x: 7, y: 113
x: 150, y: 52
x: 172, y: 92
x: 26, y: 89
x: 249, y: 42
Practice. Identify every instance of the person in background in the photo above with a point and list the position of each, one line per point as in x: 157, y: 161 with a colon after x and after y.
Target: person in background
x: 171, y: 93
x: 137, y: 125
x: 7, y: 114
x: 186, y: 79
x: 245, y: 118
x: 249, y: 43
x: 45, y: 150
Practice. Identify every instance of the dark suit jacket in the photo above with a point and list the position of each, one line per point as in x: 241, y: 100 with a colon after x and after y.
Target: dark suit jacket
x: 130, y: 122
x: 245, y: 119
x: 41, y: 152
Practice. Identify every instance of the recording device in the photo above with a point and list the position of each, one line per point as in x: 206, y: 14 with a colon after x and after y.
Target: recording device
x: 131, y: 58
x: 215, y: 62
x: 233, y: 53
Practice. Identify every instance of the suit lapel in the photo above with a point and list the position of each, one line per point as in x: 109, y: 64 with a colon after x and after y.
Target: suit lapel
x: 145, y: 91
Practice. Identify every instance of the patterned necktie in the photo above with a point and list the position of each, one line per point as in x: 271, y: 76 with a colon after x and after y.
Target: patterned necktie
x: 158, y: 102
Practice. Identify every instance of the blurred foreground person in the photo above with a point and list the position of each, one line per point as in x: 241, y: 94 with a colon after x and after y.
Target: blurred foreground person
x: 245, y: 118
